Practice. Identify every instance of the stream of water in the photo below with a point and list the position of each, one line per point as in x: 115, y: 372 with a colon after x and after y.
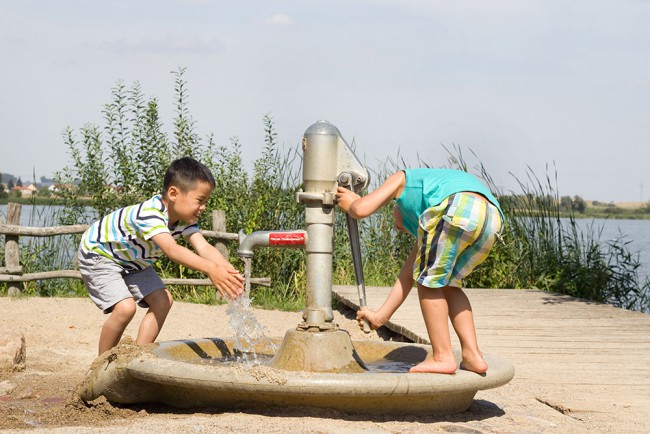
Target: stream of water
x: 249, y: 336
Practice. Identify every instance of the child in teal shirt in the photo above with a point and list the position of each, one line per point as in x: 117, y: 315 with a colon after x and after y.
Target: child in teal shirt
x: 456, y: 220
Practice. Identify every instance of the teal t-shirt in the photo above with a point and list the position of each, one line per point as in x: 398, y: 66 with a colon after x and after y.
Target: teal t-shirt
x: 426, y: 188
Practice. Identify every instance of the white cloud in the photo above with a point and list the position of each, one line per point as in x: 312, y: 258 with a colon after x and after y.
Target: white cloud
x: 279, y: 19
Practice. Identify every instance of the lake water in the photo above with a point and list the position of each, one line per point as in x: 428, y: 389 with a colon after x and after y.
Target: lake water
x: 637, y: 232
x: 38, y: 215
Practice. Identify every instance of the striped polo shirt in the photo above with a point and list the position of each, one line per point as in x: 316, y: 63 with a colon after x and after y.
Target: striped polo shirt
x: 124, y: 235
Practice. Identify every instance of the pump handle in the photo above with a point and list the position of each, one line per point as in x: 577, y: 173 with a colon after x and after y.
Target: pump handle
x: 345, y: 180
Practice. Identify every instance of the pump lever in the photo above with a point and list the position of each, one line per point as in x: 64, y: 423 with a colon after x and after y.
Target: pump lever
x: 345, y: 179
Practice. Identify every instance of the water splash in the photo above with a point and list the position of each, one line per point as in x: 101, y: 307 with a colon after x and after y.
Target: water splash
x: 248, y: 332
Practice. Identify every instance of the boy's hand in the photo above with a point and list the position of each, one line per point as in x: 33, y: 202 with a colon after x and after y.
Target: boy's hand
x: 372, y: 316
x: 227, y: 280
x: 345, y: 198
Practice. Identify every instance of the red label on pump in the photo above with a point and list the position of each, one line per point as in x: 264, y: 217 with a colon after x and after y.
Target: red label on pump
x: 286, y: 238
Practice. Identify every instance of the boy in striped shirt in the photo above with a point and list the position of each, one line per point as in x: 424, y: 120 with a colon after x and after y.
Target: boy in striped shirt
x: 117, y: 252
x: 456, y: 221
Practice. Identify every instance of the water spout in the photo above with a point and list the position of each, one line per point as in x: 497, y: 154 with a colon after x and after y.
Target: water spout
x: 288, y: 239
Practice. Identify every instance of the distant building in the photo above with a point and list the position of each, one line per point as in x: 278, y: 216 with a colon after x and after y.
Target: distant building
x: 26, y: 191
x: 57, y: 188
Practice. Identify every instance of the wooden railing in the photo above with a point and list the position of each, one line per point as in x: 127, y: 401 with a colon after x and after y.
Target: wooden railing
x: 12, y: 271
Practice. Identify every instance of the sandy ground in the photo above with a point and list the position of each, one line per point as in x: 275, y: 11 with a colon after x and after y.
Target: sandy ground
x: 61, y: 336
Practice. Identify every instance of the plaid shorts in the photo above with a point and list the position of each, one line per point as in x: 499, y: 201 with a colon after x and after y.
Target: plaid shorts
x: 454, y: 237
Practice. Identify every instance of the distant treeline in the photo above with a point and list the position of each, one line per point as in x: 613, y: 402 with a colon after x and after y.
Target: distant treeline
x: 577, y: 207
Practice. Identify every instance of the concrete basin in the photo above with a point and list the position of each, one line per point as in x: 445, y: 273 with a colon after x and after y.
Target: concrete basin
x: 203, y: 373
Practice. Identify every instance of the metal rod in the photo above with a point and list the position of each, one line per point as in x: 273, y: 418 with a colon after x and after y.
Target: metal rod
x: 353, y: 235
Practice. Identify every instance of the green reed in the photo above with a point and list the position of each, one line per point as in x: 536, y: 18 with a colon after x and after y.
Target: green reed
x: 545, y: 249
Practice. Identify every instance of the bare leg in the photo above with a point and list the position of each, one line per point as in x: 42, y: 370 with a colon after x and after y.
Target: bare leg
x: 435, y: 312
x: 114, y: 326
x: 462, y: 319
x: 160, y: 302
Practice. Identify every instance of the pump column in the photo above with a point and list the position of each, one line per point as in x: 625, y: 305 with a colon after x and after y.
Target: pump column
x: 320, y: 165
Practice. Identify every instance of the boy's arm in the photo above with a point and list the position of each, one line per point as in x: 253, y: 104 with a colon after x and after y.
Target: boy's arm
x: 396, y: 296
x: 227, y: 283
x: 361, y: 207
x: 206, y: 250
x: 402, y: 287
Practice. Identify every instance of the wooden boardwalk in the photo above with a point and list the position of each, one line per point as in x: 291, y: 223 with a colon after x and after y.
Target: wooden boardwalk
x: 587, y: 362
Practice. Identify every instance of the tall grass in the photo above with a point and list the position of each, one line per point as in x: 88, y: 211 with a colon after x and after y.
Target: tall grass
x: 123, y: 163
x: 545, y: 251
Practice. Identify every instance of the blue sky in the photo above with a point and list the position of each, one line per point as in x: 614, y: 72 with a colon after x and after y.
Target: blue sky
x: 520, y: 83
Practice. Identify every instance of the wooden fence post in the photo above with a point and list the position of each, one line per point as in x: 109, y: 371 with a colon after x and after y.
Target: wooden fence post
x: 12, y: 250
x: 219, y: 225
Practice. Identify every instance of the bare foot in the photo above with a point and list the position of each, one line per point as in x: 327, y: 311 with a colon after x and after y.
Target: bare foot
x: 475, y: 364
x: 431, y: 366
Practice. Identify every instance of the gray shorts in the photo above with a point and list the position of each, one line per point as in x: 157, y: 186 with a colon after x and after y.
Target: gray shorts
x: 108, y: 284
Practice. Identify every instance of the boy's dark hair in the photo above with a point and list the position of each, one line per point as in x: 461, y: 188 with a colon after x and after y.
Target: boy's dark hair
x: 184, y: 173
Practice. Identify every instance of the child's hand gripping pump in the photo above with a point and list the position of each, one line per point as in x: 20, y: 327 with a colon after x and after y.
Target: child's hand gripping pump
x: 345, y: 179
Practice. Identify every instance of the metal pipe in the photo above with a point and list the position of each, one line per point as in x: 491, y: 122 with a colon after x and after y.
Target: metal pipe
x: 296, y: 239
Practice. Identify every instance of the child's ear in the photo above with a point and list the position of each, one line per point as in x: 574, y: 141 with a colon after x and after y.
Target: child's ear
x: 172, y: 193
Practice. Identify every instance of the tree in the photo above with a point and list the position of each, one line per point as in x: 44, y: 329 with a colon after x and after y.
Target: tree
x: 579, y: 204
x: 566, y: 204
x: 645, y: 209
x: 10, y: 184
x: 19, y: 183
x: 613, y: 209
x: 3, y: 193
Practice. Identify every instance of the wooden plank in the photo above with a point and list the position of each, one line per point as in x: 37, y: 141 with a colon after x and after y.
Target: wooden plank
x: 73, y: 274
x: 30, y: 231
x: 582, y: 354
